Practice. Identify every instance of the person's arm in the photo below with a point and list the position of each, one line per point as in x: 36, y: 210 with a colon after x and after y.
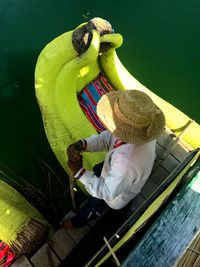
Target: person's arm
x: 99, y: 142
x: 109, y: 187
x: 104, y: 188
x: 74, y: 150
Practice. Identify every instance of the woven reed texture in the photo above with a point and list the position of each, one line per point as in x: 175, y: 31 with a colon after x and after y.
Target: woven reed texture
x: 59, y: 76
x: 31, y: 236
x: 15, y: 211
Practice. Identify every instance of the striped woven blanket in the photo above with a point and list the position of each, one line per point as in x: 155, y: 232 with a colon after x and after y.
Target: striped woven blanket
x: 6, y: 255
x: 89, y: 97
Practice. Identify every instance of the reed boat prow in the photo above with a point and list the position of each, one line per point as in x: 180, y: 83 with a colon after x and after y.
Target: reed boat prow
x: 61, y: 74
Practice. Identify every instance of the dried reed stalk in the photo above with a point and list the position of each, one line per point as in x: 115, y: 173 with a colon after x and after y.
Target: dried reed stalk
x: 30, y: 237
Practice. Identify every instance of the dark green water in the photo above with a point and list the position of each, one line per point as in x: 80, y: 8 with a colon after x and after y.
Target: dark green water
x: 161, y: 49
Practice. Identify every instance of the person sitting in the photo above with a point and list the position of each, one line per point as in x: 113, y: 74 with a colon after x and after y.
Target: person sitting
x: 133, y: 123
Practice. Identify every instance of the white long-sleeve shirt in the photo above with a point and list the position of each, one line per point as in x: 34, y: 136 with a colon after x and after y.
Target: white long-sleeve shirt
x: 125, y: 170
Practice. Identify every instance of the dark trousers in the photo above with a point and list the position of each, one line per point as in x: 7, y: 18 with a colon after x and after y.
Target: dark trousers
x: 93, y: 207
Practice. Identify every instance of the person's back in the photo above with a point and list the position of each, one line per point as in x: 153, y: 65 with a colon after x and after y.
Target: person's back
x: 125, y: 169
x: 135, y: 164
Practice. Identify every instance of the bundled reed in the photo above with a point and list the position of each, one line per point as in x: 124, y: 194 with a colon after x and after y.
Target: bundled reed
x: 22, y: 227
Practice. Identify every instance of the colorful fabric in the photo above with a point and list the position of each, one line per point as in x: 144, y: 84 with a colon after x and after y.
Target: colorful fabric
x: 118, y: 143
x: 89, y: 98
x: 6, y: 255
x: 80, y: 173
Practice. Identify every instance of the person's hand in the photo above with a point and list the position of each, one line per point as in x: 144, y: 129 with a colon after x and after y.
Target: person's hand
x: 75, y: 166
x: 74, y: 150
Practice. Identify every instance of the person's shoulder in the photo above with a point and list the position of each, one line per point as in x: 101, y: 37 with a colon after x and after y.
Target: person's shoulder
x: 146, y: 147
x: 149, y: 144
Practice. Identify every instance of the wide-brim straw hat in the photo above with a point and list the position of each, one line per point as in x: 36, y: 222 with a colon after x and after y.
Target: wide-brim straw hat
x: 131, y: 116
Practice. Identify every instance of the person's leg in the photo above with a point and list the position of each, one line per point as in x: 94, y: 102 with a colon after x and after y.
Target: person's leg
x: 93, y: 208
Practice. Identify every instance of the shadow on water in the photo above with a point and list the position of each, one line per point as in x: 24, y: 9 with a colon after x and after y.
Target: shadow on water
x: 20, y: 117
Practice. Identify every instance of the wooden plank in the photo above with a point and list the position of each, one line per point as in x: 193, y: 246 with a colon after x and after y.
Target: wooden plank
x: 170, y: 163
x: 160, y: 152
x: 78, y: 233
x: 62, y: 243
x: 197, y: 262
x: 172, y: 232
x: 191, y: 255
x: 166, y: 139
x: 149, y: 187
x: 179, y: 152
x: 159, y: 175
x: 45, y: 257
x: 21, y: 262
x: 168, y: 143
x: 136, y: 203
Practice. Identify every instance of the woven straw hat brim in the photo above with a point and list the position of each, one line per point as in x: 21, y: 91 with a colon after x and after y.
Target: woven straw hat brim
x: 122, y: 130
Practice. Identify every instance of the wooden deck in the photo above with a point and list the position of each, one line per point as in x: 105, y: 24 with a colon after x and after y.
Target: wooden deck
x: 170, y: 152
x: 76, y: 247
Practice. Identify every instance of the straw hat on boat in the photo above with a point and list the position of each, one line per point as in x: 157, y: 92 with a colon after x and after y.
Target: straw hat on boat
x: 131, y: 116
